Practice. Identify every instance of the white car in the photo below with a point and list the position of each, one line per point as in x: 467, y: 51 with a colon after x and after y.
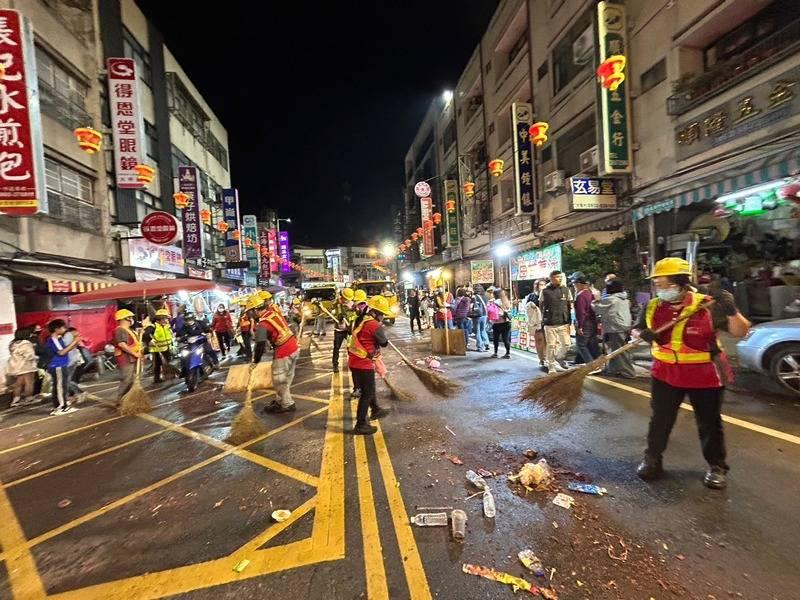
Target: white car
x: 774, y: 349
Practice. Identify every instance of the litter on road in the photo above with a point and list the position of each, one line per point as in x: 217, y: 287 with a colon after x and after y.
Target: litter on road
x: 476, y: 480
x: 531, y: 562
x: 564, y: 501
x: 437, y: 519
x: 280, y: 515
x: 587, y: 488
x: 516, y: 583
x: 534, y: 476
x: 458, y: 519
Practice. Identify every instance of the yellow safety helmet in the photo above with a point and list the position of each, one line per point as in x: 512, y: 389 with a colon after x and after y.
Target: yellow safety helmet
x: 348, y: 294
x: 295, y: 300
x: 123, y: 313
x: 264, y: 295
x: 671, y: 266
x: 254, y: 301
x: 360, y: 296
x: 243, y: 300
x: 380, y: 304
x: 162, y: 312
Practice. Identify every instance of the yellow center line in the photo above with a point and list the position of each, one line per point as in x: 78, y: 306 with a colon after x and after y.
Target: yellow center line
x: 310, y: 398
x: 780, y: 435
x: 277, y: 528
x: 377, y: 587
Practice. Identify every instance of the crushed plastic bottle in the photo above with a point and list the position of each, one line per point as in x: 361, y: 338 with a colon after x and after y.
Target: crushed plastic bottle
x: 488, y: 505
x: 458, y: 519
x: 531, y: 562
x: 477, y: 480
x: 430, y: 519
x: 587, y: 488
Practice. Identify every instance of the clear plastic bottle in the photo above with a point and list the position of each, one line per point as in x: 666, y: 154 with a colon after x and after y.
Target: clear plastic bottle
x: 488, y: 504
x: 458, y: 519
x: 430, y: 519
x: 477, y: 480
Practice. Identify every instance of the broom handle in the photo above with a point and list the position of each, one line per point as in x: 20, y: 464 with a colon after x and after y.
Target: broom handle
x: 630, y: 345
x: 403, y: 356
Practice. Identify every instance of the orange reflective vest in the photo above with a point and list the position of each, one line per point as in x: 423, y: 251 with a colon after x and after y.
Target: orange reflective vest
x: 275, y: 320
x: 677, y: 352
x: 133, y: 343
x: 355, y: 346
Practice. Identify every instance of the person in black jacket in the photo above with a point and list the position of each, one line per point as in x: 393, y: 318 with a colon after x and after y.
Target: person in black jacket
x: 414, y: 309
x: 555, y: 303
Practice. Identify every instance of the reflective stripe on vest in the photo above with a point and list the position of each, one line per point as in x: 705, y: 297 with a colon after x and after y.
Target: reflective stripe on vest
x: 355, y: 347
x: 676, y: 352
x: 133, y: 343
x: 276, y: 320
x: 162, y: 338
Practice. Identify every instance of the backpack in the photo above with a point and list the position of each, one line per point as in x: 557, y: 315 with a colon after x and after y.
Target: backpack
x: 493, y: 311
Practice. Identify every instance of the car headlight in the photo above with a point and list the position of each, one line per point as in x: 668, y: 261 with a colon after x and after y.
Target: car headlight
x: 184, y: 353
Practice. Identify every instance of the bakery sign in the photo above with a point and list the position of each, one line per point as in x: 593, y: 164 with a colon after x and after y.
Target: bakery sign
x: 754, y: 111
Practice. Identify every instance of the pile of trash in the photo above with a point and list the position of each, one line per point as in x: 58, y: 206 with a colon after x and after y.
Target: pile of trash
x: 434, y: 363
x: 534, y: 476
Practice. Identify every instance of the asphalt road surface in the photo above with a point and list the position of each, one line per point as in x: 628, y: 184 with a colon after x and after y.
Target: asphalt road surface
x: 94, y: 505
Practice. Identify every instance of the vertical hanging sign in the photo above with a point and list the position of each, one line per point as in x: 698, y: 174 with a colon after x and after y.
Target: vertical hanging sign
x: 451, y: 212
x: 614, y: 132
x: 250, y: 232
x: 272, y: 244
x: 426, y: 210
x: 233, y: 246
x: 189, y: 184
x: 284, y: 250
x: 127, y: 124
x: 22, y: 190
x: 263, y: 241
x: 524, y: 179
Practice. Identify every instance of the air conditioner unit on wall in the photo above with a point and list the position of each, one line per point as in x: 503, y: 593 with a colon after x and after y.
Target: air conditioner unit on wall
x: 554, y: 181
x: 589, y: 160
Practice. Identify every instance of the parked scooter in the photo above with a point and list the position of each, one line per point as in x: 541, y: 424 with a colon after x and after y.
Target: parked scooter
x: 196, y: 362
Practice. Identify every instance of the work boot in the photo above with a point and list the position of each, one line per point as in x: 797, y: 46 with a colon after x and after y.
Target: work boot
x: 364, y: 429
x: 277, y: 409
x: 716, y: 478
x: 378, y: 412
x: 650, y: 468
x: 356, y: 393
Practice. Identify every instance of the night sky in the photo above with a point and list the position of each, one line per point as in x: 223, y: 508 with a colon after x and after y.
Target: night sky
x: 321, y: 97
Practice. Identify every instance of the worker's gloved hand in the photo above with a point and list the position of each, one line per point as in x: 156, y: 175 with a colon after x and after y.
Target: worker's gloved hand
x: 725, y: 302
x: 648, y: 335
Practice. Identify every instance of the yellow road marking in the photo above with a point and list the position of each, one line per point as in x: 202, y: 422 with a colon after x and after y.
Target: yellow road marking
x: 23, y: 576
x: 412, y: 563
x: 111, y: 449
x: 277, y: 528
x: 59, y: 435
x: 310, y: 398
x: 154, y: 486
x: 373, y: 551
x: 309, y: 380
x: 780, y: 435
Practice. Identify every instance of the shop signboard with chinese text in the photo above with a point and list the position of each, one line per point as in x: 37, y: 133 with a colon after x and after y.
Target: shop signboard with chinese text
x: 263, y: 241
x: 593, y: 193
x: 233, y: 247
x: 285, y: 251
x: 22, y: 189
x: 524, y: 175
x: 614, y: 130
x: 759, y: 109
x: 146, y: 255
x: 196, y: 273
x: 536, y: 264
x: 426, y: 211
x: 250, y: 231
x: 272, y: 239
x: 189, y: 184
x: 159, y: 227
x: 127, y: 122
x: 481, y: 271
x: 451, y: 215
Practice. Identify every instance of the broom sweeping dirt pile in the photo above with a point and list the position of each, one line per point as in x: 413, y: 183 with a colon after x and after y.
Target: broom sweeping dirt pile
x: 247, y: 425
x: 398, y: 393
x: 136, y: 400
x: 559, y: 394
x: 438, y: 384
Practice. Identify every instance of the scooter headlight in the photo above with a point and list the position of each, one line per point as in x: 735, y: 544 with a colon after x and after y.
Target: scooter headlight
x: 184, y: 353
x: 199, y: 351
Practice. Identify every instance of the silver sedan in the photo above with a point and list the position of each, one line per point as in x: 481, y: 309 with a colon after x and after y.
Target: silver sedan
x: 774, y: 349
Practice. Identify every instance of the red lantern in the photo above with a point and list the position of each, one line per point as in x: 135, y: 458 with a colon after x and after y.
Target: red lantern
x: 237, y: 235
x: 407, y: 243
x: 420, y: 231
x: 205, y: 216
x: 90, y: 140
x: 145, y: 174
x: 427, y: 225
x: 496, y: 167
x: 248, y: 242
x: 437, y: 217
x: 469, y: 189
x: 181, y: 199
x: 222, y: 227
x: 610, y: 72
x: 538, y: 132
x: 450, y: 206
x: 414, y: 236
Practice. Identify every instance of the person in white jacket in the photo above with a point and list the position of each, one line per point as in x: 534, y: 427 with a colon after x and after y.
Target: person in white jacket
x: 535, y: 331
x: 22, y: 366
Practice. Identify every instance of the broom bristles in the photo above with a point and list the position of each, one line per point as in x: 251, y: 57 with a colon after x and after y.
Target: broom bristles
x: 398, y: 393
x: 245, y: 427
x: 135, y: 401
x: 435, y: 382
x: 558, y: 394
x: 237, y: 379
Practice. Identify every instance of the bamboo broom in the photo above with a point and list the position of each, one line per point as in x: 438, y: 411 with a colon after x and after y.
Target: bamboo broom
x: 432, y: 380
x: 397, y: 392
x: 559, y: 393
x: 135, y: 400
x: 246, y: 425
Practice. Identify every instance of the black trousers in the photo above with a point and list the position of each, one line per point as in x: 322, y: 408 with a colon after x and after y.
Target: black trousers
x: 364, y: 380
x: 224, y: 339
x: 158, y: 364
x: 415, y: 316
x: 502, y: 330
x: 707, y: 404
x: 338, y: 339
x: 259, y: 351
x: 247, y: 345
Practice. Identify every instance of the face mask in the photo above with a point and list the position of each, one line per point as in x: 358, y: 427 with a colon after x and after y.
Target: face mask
x: 669, y: 295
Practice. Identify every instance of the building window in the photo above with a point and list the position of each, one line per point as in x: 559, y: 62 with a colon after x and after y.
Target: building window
x: 518, y: 46
x: 67, y: 182
x: 572, y: 144
x: 449, y: 136
x: 151, y: 140
x: 69, y: 195
x: 573, y: 53
x: 62, y: 96
x: 541, y: 72
x: 131, y: 48
x: 654, y: 75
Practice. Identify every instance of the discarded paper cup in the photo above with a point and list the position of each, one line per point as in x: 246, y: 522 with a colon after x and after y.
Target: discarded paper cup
x: 281, y: 515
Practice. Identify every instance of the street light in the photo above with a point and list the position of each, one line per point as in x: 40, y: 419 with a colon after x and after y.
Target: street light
x: 503, y: 251
x: 388, y: 250
x: 447, y: 95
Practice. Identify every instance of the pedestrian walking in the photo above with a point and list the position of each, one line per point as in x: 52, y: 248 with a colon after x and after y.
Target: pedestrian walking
x: 158, y: 340
x: 75, y: 366
x: 554, y: 302
x: 534, y: 318
x: 500, y: 318
x: 414, y: 310
x: 461, y: 316
x: 222, y: 326
x: 444, y: 314
x: 585, y: 320
x: 430, y: 310
x: 58, y: 366
x: 22, y: 366
x: 366, y: 341
x: 286, y: 351
x: 127, y: 350
x: 480, y: 319
x: 687, y: 361
x: 345, y: 315
x: 614, y: 312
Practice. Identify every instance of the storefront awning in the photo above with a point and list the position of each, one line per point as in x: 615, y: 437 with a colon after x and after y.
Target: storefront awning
x: 63, y: 281
x: 780, y: 167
